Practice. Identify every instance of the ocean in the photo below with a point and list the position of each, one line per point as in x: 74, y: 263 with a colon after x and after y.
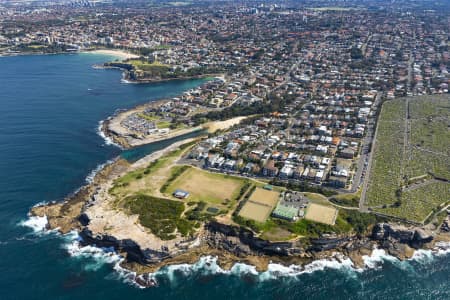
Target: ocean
x: 50, y: 109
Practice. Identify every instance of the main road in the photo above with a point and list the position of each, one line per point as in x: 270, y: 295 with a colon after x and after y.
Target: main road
x: 365, y: 160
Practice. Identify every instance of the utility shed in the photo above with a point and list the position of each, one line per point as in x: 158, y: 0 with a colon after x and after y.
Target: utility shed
x: 181, y: 194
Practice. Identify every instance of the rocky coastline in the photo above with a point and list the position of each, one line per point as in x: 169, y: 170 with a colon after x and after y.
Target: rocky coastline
x: 230, y: 243
x: 129, y: 75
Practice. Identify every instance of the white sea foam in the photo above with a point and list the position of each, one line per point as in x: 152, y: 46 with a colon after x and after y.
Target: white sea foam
x: 337, y: 262
x: 376, y: 258
x: 90, y: 177
x: 126, y: 81
x: 207, y: 265
x: 442, y: 248
x: 99, y: 256
x: 38, y: 224
x: 426, y: 256
x: 240, y: 268
x: 42, y: 203
x: 423, y: 256
x: 107, y: 139
x: 96, y: 257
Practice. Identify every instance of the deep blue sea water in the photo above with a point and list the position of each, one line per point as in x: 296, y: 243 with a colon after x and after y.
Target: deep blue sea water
x: 50, y: 107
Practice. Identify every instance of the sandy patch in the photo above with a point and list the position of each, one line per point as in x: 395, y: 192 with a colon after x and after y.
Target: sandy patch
x: 260, y: 205
x: 208, y: 187
x: 222, y: 125
x: 265, y: 197
x: 121, y: 54
x: 255, y: 211
x: 321, y: 214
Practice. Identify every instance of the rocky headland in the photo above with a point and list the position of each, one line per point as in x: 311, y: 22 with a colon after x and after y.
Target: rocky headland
x: 99, y: 223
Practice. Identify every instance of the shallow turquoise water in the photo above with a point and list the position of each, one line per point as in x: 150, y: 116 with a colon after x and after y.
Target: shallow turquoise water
x: 50, y: 107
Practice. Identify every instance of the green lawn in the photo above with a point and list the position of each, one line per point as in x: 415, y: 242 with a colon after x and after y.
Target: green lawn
x: 213, y: 188
x: 162, y: 216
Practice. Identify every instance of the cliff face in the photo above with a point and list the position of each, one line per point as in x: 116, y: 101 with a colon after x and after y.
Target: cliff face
x: 233, y: 243
x: 134, y: 254
x: 241, y: 242
x: 414, y: 237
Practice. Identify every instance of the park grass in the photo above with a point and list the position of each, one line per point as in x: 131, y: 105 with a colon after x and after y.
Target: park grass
x: 146, y: 66
x: 349, y: 200
x: 37, y: 46
x: 347, y: 221
x: 259, y: 205
x: 317, y: 198
x: 216, y: 189
x: 160, y: 122
x: 277, y: 234
x: 148, y: 180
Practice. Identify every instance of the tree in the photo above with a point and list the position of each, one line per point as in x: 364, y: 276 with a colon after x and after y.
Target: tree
x: 356, y: 53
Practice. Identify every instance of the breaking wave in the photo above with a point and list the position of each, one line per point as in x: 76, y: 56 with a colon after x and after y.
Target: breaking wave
x: 95, y: 258
x: 37, y: 224
x: 90, y: 177
x: 208, y: 265
x: 98, y: 256
x: 123, y: 80
x: 376, y: 259
x: 108, y: 141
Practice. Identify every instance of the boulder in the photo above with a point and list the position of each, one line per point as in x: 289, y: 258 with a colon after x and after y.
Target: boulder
x: 422, y: 236
x: 415, y: 237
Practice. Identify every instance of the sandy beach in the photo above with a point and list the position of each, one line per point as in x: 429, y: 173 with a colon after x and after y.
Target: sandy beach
x: 121, y: 54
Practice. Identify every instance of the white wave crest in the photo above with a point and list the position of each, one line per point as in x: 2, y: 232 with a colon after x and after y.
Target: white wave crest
x: 426, y: 256
x: 108, y: 141
x: 38, y: 224
x: 336, y: 262
x: 240, y: 268
x: 442, y: 248
x: 123, y: 80
x: 90, y: 177
x: 423, y: 256
x: 42, y: 203
x: 376, y: 258
x: 206, y: 265
x: 100, y: 256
